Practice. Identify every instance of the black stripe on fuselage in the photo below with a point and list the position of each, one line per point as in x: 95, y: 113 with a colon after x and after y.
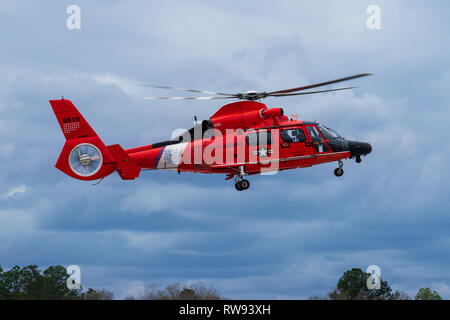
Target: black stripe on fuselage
x: 163, y: 144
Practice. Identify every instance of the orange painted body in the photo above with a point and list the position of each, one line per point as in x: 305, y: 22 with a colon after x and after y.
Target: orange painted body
x: 229, y: 151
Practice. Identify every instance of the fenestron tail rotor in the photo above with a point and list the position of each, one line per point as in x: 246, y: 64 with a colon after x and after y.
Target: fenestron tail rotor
x: 256, y: 95
x: 85, y: 160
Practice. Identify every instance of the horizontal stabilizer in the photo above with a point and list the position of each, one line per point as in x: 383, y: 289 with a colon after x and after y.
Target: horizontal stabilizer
x: 128, y: 168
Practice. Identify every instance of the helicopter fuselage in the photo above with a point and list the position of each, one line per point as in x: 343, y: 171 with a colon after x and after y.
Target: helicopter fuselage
x: 241, y: 138
x: 255, y: 141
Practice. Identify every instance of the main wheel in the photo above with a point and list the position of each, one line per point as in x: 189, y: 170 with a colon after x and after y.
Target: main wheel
x: 245, y: 184
x: 238, y: 187
x: 338, y: 172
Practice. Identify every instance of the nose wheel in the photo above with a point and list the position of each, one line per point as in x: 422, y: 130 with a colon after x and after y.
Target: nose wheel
x: 338, y: 172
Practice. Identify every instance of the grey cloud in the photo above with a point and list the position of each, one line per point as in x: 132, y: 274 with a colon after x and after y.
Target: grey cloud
x: 291, y: 235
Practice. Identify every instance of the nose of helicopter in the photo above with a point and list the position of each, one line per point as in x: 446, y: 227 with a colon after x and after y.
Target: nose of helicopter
x: 358, y: 149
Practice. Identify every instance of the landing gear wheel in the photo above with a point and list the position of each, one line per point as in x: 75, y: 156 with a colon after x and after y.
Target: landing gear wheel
x: 358, y: 159
x: 338, y: 172
x: 242, y: 185
x: 245, y: 184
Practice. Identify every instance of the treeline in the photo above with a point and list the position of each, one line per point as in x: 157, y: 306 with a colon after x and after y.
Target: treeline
x: 174, y: 291
x: 30, y: 283
x: 353, y: 286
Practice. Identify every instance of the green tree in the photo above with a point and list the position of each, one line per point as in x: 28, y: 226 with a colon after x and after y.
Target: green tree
x: 55, y: 286
x: 3, y: 291
x: 10, y: 283
x: 353, y: 286
x: 32, y: 284
x: 427, y: 294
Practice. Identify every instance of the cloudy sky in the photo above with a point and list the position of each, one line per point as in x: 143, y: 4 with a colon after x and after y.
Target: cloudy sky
x: 291, y: 235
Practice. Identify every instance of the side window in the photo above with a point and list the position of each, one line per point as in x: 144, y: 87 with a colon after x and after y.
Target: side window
x: 261, y: 138
x: 293, y: 135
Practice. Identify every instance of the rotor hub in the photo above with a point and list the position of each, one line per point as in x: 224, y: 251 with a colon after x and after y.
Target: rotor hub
x: 85, y: 160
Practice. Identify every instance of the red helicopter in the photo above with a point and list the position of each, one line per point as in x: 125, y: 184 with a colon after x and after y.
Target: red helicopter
x: 242, y: 138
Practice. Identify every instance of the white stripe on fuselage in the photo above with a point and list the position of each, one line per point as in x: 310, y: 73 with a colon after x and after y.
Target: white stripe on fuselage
x: 171, y: 157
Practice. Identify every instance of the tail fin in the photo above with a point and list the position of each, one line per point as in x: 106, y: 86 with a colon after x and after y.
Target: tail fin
x: 72, y: 123
x: 84, y: 156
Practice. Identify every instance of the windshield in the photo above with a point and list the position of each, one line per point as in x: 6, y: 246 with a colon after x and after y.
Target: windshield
x: 328, y: 133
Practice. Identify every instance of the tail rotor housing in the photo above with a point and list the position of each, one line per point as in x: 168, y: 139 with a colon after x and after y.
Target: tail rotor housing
x: 85, y: 159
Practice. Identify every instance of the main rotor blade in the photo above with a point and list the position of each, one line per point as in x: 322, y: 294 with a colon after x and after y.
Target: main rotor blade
x: 305, y: 93
x: 187, y: 98
x: 187, y: 90
x: 321, y: 84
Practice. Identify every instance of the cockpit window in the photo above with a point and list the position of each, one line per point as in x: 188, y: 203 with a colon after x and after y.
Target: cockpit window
x: 328, y: 133
x: 315, y: 136
x: 293, y: 135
